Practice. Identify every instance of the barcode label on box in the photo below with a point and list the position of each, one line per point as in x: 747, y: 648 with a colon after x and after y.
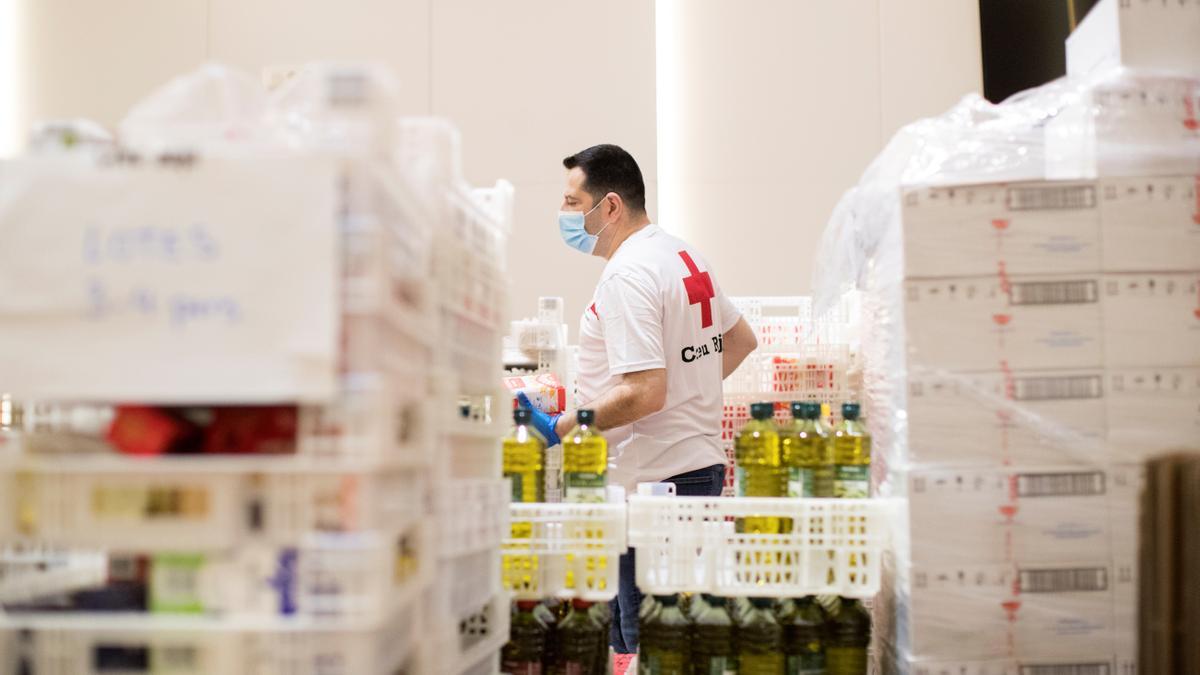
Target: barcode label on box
x: 1066, y: 669
x: 1057, y: 197
x: 1055, y: 292
x: 1058, y: 388
x: 1060, y: 484
x: 1064, y: 580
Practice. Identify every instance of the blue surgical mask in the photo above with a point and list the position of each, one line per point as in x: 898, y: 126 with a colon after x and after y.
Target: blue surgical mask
x: 570, y: 226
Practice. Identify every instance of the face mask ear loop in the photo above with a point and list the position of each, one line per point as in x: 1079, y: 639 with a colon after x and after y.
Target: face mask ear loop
x: 593, y: 209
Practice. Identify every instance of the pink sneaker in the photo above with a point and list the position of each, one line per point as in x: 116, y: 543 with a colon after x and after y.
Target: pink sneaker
x: 622, y: 662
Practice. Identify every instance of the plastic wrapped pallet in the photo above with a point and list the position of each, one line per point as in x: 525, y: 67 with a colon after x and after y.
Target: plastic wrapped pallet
x: 1027, y: 342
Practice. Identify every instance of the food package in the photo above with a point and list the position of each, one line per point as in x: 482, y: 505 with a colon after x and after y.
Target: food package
x: 545, y: 391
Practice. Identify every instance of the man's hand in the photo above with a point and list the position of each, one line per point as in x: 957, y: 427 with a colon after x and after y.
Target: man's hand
x: 545, y: 424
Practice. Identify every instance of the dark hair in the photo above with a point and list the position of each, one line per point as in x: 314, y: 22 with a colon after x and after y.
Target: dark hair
x: 608, y: 168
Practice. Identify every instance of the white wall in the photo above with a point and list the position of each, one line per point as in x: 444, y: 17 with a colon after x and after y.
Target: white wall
x: 769, y: 110
x: 527, y: 82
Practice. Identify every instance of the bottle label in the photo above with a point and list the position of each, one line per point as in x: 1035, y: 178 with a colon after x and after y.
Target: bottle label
x: 717, y: 665
x: 852, y: 481
x: 517, y: 487
x: 584, y: 487
x: 521, y: 667
x: 846, y: 659
x: 660, y: 663
x: 806, y: 664
x: 801, y: 482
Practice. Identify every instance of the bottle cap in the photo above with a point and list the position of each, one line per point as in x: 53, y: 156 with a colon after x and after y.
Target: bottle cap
x: 715, y: 600
x: 850, y: 411
x: 585, y: 416
x: 762, y: 411
x: 527, y: 605
x: 762, y: 603
x: 812, y: 411
x: 798, y: 410
x: 522, y: 416
x: 667, y: 600
x: 581, y: 604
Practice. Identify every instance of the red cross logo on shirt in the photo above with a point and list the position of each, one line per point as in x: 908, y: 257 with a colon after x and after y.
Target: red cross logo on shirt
x: 699, y: 289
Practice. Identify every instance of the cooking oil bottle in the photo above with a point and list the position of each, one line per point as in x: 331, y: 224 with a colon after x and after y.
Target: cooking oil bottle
x: 759, y: 471
x: 712, y: 638
x: 524, y: 461
x: 803, y: 623
x: 526, y: 643
x: 602, y: 614
x: 852, y: 456
x: 759, y: 640
x: 524, y: 464
x: 849, y: 633
x: 578, y: 636
x: 585, y: 461
x: 665, y: 638
x: 807, y: 453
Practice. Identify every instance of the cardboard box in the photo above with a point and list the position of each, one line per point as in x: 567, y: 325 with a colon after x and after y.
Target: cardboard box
x: 1021, y: 228
x: 1162, y: 36
x: 1151, y: 224
x: 1060, y: 514
x: 545, y: 391
x: 1152, y: 411
x: 1126, y: 126
x: 1152, y: 319
x: 1139, y: 223
x: 1017, y: 322
x: 1091, y: 663
x: 1022, y: 417
x: 982, y: 612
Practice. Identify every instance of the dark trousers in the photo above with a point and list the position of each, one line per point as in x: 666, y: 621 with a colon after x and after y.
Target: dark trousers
x: 624, y: 632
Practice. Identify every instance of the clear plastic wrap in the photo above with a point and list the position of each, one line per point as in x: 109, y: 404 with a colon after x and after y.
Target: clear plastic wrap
x: 211, y: 109
x: 1030, y: 280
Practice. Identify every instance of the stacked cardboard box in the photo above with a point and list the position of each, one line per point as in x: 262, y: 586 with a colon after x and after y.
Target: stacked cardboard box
x: 1027, y: 346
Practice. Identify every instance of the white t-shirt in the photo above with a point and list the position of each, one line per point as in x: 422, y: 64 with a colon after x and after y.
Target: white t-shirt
x: 658, y: 306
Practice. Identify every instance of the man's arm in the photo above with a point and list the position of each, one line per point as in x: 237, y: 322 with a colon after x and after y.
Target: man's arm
x: 637, y: 395
x: 736, y: 345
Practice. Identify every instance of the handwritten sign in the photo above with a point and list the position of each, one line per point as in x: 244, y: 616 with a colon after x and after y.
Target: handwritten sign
x: 211, y: 281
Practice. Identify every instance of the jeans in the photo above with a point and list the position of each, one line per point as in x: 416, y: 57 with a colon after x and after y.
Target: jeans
x: 623, y: 635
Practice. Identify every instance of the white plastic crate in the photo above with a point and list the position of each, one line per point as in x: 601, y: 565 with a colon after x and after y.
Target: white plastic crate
x: 471, y: 515
x: 469, y: 645
x: 778, y: 321
x: 375, y: 417
x: 330, y: 577
x: 571, y: 550
x: 832, y: 546
x: 804, y: 373
x: 378, y: 418
x: 386, y: 239
x: 28, y: 572
x: 468, y: 446
x: 94, y: 643
x: 182, y: 504
x: 399, y: 346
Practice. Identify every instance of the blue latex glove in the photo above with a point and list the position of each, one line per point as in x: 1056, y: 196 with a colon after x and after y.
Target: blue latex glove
x: 545, y: 424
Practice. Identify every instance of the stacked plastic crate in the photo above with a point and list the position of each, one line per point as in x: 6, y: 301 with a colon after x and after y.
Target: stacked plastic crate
x: 467, y: 609
x: 798, y: 359
x: 310, y: 534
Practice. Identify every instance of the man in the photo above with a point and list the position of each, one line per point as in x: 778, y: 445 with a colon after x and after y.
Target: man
x: 655, y: 344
